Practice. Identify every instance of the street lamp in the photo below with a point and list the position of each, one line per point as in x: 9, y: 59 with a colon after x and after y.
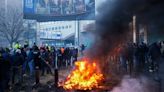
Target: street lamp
x: 6, y: 1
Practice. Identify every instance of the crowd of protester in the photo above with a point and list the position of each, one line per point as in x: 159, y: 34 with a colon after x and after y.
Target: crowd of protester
x: 18, y: 62
x: 137, y: 58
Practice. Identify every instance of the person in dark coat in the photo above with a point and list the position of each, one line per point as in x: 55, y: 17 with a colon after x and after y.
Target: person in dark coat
x: 48, y: 60
x: 75, y: 54
x: 5, y: 67
x: 136, y: 56
x: 45, y: 61
x: 69, y: 56
x: 54, y: 56
x: 123, y: 60
x: 154, y: 54
x: 17, y: 62
x: 66, y: 56
x: 62, y: 50
x: 162, y: 48
x: 143, y: 49
x: 30, y: 61
x: 59, y: 57
x: 44, y: 56
x: 37, y: 64
x: 1, y: 71
x: 24, y: 54
x: 83, y: 47
x: 129, y: 57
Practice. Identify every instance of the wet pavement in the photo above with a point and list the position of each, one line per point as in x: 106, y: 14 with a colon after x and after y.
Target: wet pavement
x: 46, y: 83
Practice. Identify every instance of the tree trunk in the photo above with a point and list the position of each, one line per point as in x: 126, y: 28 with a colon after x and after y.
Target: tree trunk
x: 11, y: 44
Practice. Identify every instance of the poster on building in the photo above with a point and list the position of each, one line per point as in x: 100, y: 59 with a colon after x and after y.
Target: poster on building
x: 29, y: 6
x: 79, y: 6
x: 55, y: 7
x: 89, y: 5
x: 63, y: 9
x: 42, y: 6
x: 67, y: 7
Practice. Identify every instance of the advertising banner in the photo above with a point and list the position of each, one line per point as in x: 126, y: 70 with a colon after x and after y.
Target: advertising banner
x: 29, y: 6
x: 57, y: 8
x: 79, y: 6
x: 42, y: 6
x: 67, y: 7
x: 90, y: 4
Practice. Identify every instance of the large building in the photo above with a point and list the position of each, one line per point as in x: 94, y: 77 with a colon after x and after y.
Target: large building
x: 59, y: 33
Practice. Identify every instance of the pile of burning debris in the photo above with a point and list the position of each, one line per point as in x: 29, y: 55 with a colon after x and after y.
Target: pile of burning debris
x: 86, y: 76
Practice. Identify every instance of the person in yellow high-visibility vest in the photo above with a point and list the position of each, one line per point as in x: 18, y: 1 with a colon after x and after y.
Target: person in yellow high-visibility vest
x: 17, y: 45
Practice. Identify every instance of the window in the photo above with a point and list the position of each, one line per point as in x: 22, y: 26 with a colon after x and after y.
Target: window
x: 56, y: 28
x: 70, y: 26
x: 62, y: 27
x: 66, y: 27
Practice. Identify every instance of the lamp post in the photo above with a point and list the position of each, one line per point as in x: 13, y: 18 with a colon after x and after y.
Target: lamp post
x: 6, y: 1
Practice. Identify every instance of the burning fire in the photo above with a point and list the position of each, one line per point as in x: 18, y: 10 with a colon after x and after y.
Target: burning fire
x: 85, y: 76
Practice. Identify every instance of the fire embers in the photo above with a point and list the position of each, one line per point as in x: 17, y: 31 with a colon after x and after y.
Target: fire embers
x: 85, y: 76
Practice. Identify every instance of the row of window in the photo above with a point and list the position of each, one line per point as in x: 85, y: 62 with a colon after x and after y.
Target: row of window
x: 58, y: 28
x: 53, y: 35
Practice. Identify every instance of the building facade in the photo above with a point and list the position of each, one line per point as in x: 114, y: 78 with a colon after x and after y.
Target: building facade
x: 59, y: 33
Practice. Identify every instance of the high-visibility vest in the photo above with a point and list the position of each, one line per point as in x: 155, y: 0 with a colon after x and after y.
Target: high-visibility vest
x: 17, y: 46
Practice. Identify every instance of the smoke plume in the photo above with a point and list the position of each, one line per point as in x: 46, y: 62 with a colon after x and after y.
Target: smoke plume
x: 112, y: 26
x: 112, y: 30
x: 112, y: 22
x: 140, y: 84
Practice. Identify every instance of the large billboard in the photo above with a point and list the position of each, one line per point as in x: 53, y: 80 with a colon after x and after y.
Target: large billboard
x: 29, y: 6
x: 59, y: 9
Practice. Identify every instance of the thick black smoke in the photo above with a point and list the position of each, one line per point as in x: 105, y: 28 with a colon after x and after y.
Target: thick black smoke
x: 112, y: 23
x: 112, y: 26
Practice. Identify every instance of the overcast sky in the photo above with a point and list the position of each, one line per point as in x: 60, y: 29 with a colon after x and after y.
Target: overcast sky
x: 15, y: 3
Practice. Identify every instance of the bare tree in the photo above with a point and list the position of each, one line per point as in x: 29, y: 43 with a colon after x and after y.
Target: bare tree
x: 11, y: 25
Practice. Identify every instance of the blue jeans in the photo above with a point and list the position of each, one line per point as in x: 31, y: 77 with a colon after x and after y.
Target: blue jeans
x: 24, y: 67
x: 31, y: 67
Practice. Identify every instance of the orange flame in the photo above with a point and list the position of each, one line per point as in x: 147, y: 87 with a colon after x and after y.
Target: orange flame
x: 85, y: 76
